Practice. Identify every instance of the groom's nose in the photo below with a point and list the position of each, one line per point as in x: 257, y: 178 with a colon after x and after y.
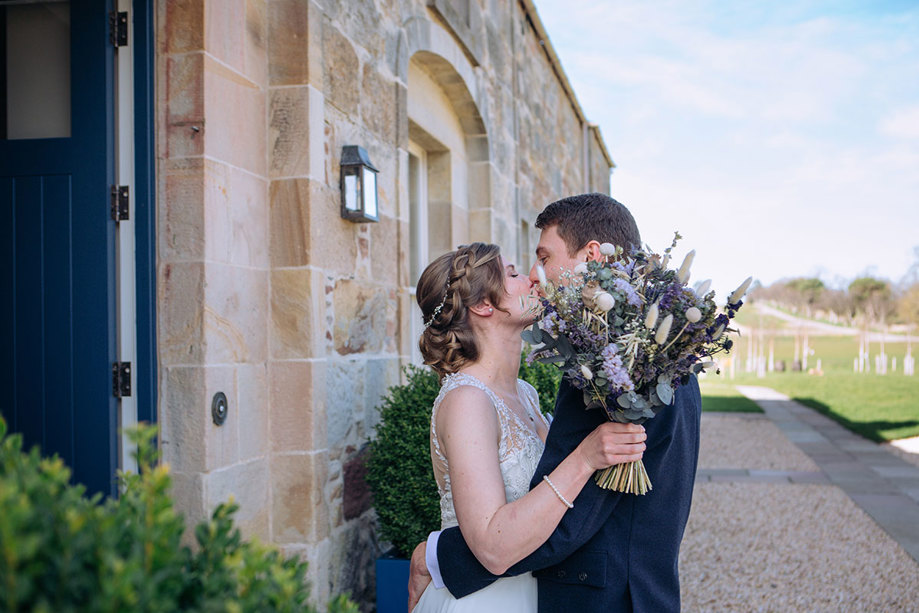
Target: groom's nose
x: 534, y: 278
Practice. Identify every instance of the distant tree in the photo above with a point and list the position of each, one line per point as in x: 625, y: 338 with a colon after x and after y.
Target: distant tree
x: 873, y: 298
x: 805, y: 292
x: 837, y: 301
x: 908, y: 305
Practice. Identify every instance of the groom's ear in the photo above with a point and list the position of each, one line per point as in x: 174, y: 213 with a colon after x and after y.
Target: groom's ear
x: 591, y: 251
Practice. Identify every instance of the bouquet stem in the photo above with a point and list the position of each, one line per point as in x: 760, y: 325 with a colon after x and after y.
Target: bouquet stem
x: 631, y: 478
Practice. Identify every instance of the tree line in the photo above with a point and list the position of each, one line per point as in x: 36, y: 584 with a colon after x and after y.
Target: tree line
x: 867, y: 300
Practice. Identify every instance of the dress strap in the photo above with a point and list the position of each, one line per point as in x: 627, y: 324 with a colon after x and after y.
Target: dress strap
x: 451, y: 382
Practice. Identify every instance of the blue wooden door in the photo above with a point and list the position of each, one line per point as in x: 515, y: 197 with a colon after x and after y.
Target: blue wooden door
x: 57, y: 306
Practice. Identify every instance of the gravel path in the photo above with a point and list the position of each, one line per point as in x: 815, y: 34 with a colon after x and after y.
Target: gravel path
x: 780, y: 546
x: 748, y: 440
x: 763, y: 547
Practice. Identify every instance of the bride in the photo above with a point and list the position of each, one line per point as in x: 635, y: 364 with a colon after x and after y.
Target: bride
x: 487, y: 433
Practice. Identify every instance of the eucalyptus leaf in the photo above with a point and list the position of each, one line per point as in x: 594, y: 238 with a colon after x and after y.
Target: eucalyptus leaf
x: 529, y: 336
x: 665, y: 393
x: 624, y: 401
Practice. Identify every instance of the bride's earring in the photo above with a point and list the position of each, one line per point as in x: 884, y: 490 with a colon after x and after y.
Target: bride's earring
x: 491, y: 310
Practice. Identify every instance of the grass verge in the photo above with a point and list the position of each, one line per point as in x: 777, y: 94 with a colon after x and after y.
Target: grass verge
x: 880, y: 408
x: 719, y: 397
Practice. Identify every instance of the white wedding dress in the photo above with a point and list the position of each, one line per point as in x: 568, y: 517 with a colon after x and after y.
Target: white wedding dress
x: 518, y: 454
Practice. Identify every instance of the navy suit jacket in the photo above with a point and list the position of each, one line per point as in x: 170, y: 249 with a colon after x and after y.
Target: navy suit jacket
x: 612, y: 551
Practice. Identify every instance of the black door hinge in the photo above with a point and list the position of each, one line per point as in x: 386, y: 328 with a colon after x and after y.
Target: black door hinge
x: 118, y: 28
x: 121, y: 379
x: 121, y: 201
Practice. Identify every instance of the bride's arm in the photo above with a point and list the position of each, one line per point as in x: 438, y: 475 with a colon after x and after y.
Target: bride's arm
x: 501, y: 533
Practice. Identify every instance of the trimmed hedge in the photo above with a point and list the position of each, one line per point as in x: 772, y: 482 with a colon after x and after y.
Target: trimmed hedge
x: 61, y: 551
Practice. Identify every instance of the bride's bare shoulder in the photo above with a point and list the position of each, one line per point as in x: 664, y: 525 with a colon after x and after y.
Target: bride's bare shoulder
x: 465, y: 406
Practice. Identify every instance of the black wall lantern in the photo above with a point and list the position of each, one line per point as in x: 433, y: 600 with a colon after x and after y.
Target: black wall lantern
x: 358, y: 185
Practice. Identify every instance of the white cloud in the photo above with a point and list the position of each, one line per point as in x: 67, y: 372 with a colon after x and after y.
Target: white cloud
x: 903, y: 123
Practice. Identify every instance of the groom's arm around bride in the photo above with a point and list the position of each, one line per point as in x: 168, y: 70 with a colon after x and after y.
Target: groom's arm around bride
x: 614, y: 550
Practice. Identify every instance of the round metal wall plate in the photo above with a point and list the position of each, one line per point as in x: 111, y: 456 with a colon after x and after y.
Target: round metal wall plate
x: 219, y: 408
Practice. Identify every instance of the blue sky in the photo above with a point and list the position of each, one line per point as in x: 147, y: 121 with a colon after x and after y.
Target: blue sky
x: 780, y: 138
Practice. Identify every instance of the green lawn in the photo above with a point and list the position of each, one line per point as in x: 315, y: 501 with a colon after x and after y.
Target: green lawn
x: 880, y: 408
x: 718, y: 396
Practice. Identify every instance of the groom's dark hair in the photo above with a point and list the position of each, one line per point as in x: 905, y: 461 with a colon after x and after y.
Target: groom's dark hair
x: 590, y: 217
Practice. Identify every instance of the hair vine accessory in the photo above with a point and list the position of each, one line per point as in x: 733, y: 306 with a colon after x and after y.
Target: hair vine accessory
x: 437, y: 309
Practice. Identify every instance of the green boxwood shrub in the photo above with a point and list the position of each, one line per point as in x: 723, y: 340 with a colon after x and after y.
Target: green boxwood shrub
x: 61, y: 551
x: 545, y: 378
x: 399, y: 469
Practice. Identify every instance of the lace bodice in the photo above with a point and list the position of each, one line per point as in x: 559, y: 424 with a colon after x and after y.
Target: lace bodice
x: 518, y: 451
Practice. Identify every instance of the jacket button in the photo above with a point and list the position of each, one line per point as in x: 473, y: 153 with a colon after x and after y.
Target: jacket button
x: 561, y: 574
x: 582, y: 576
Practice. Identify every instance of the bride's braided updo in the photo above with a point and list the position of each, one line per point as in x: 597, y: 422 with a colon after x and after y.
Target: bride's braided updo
x: 448, y: 287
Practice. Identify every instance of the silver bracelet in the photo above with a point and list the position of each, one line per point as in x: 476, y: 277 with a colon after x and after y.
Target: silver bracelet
x: 557, y: 493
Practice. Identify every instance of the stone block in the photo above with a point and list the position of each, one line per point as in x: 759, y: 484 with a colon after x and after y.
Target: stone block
x: 384, y: 238
x: 191, y: 441
x: 180, y: 321
x: 224, y: 32
x: 364, y: 317
x: 357, y: 498
x: 401, y: 115
x: 187, y: 492
x: 289, y: 131
x: 182, y: 422
x: 342, y: 69
x: 480, y: 188
x: 248, y: 485
x: 297, y: 406
x: 296, y: 307
x: 236, y: 216
x: 184, y: 105
x: 345, y: 397
x: 254, y: 411
x: 480, y: 225
x: 378, y: 103
x: 236, y: 108
x: 293, y: 30
x: 289, y: 227
x: 255, y: 49
x: 379, y: 375
x: 181, y: 226
x: 333, y: 240
x: 318, y: 151
x: 236, y: 314
x: 182, y: 28
x: 299, y: 514
x: 351, y: 559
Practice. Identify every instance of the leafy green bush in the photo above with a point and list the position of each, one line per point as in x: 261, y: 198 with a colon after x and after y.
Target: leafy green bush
x: 545, y: 378
x: 61, y: 551
x: 399, y: 467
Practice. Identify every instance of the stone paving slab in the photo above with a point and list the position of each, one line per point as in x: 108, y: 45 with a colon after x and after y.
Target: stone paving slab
x: 880, y: 482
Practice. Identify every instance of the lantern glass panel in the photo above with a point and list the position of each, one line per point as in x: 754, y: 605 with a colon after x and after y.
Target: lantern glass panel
x: 351, y: 191
x: 370, y: 193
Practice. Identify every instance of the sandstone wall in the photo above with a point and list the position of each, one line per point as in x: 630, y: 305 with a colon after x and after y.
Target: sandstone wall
x: 266, y: 294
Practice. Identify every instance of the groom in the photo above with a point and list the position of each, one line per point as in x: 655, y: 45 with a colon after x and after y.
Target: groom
x: 612, y: 551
